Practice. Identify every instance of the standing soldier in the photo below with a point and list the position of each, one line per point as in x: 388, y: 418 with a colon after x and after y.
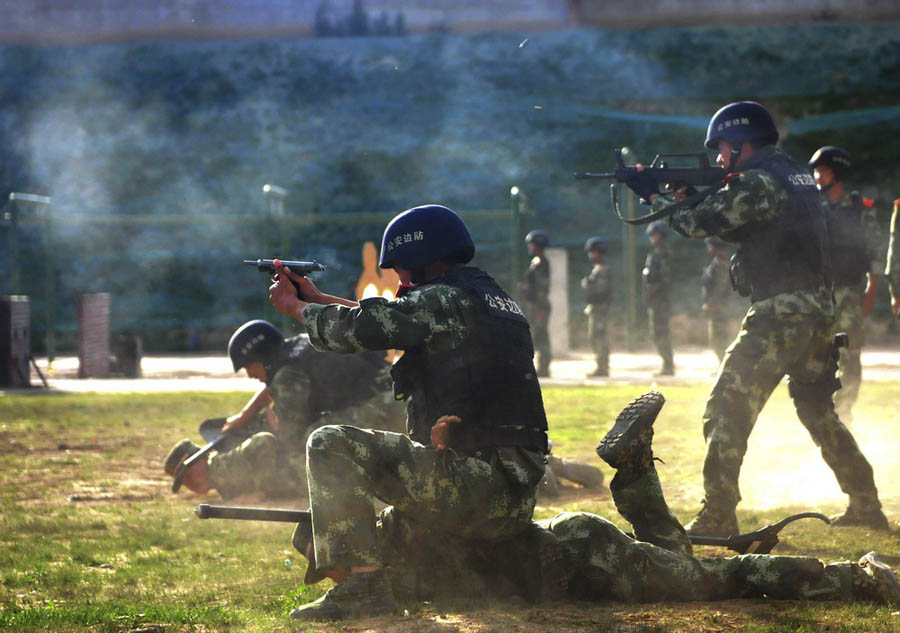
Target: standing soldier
x: 855, y: 244
x: 537, y: 293
x: 598, y: 295
x: 715, y: 289
x: 768, y: 204
x: 657, y: 278
x: 892, y: 271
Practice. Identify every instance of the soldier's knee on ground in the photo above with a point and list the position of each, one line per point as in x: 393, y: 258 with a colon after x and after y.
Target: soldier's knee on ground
x: 325, y: 438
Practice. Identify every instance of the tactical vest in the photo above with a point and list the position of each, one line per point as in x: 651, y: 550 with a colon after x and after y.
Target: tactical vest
x: 849, y: 252
x: 337, y: 381
x: 789, y: 252
x: 488, y: 382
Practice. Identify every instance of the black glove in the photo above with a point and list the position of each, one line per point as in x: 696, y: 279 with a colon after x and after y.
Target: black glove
x: 642, y: 184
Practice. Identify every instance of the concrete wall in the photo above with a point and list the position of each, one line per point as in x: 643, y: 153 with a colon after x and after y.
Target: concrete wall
x: 92, y: 21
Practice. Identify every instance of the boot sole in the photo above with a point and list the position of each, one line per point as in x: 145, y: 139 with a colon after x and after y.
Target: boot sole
x: 638, y: 415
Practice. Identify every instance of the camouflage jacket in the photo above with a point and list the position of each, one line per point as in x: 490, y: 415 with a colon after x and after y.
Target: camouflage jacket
x: 537, y: 282
x: 657, y: 276
x: 715, y: 284
x: 747, y: 196
x: 598, y: 289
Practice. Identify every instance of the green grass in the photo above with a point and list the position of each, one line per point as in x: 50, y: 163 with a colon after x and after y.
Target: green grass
x: 92, y: 540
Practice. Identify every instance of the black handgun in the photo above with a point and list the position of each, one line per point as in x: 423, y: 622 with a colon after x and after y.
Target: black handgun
x: 297, y: 267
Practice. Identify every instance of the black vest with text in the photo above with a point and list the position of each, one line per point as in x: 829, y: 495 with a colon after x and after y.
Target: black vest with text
x: 488, y: 382
x: 789, y: 252
x: 850, y: 259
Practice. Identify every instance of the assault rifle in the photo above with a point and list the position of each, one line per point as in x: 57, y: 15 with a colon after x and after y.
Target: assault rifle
x: 658, y: 178
x: 759, y: 541
x: 298, y: 268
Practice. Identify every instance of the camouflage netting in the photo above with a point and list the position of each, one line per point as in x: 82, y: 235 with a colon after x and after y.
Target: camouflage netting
x: 376, y: 125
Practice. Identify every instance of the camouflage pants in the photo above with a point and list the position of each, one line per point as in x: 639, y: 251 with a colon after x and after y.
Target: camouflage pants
x: 612, y: 565
x: 599, y: 338
x: 276, y: 465
x: 658, y: 319
x: 768, y: 347
x: 719, y: 333
x: 849, y: 318
x: 486, y: 497
x: 540, y: 335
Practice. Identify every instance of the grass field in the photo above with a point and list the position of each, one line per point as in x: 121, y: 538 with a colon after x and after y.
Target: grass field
x: 91, y: 539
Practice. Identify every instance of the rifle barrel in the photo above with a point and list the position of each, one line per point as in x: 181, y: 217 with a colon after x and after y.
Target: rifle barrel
x: 206, y: 511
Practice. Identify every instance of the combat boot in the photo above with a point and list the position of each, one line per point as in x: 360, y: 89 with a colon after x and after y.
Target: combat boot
x: 361, y: 595
x: 881, y: 585
x: 627, y: 445
x: 862, y: 513
x: 712, y: 521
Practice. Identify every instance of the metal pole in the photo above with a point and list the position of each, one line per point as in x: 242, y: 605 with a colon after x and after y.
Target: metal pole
x: 515, y: 261
x: 630, y: 263
x: 11, y: 216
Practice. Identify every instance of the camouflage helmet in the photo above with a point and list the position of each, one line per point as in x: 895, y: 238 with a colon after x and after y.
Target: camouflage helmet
x: 739, y: 123
x: 180, y: 452
x: 657, y: 226
x: 538, y: 238
x: 425, y: 234
x: 835, y: 158
x: 254, y: 341
x: 595, y: 244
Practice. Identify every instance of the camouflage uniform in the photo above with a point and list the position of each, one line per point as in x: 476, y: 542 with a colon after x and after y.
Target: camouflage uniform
x: 275, y: 464
x: 598, y: 291
x: 484, y: 493
x: 657, y: 279
x: 892, y: 269
x: 715, y: 292
x: 788, y: 333
x: 604, y: 563
x: 855, y: 251
x: 537, y: 294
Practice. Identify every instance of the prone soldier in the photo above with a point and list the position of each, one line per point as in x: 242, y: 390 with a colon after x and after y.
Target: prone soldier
x: 855, y: 242
x: 598, y: 296
x: 584, y: 556
x: 304, y: 389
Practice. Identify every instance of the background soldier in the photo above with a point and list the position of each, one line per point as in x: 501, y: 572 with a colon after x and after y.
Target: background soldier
x: 536, y: 290
x: 657, y: 280
x: 477, y: 429
x: 892, y: 270
x: 306, y: 389
x: 598, y: 296
x: 855, y: 242
x: 715, y: 290
x: 769, y: 206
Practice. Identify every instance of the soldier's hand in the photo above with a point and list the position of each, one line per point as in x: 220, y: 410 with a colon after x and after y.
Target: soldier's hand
x: 440, y: 432
x: 283, y: 294
x: 236, y: 421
